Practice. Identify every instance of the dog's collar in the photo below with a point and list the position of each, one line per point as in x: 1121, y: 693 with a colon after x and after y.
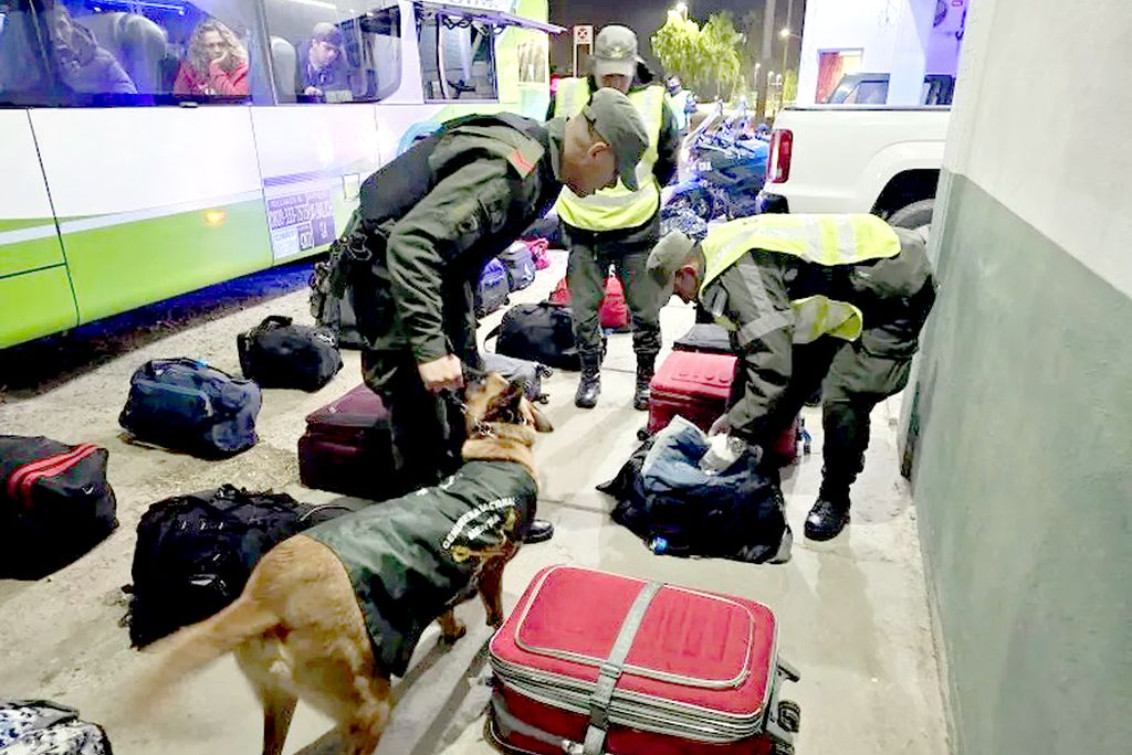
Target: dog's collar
x: 524, y: 433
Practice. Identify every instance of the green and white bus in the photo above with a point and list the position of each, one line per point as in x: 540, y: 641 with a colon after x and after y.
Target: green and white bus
x: 153, y: 147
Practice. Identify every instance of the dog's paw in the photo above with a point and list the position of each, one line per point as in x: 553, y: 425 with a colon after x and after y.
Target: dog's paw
x: 450, y: 634
x: 496, y: 621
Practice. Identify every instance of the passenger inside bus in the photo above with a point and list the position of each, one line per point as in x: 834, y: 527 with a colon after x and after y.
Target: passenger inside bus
x: 216, y: 63
x: 322, y: 64
x: 83, y: 65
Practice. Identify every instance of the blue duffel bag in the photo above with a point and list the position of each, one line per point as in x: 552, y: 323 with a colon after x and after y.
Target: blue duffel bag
x: 185, y: 405
x: 520, y: 265
x: 492, y: 289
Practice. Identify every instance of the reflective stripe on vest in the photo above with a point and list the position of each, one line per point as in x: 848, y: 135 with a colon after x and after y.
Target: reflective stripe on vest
x: 612, y: 209
x: 822, y: 239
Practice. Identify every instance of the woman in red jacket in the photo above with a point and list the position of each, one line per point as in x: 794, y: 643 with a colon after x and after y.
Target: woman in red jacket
x: 217, y: 64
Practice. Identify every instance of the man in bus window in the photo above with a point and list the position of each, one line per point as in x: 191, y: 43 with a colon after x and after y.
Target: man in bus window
x: 426, y: 225
x: 321, y: 63
x: 617, y: 227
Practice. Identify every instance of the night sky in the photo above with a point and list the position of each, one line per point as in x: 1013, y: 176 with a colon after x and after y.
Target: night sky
x: 644, y: 17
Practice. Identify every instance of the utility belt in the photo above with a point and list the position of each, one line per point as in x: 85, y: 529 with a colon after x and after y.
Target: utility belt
x: 350, y: 290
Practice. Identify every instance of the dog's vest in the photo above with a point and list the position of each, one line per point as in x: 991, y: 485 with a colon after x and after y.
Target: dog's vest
x: 409, y: 559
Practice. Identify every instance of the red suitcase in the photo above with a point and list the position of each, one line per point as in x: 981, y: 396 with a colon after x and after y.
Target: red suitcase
x: 348, y: 448
x: 598, y: 664
x: 695, y: 385
x: 614, y: 311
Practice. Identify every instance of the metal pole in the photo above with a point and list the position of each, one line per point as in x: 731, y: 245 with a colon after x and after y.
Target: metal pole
x: 575, y: 57
x: 790, y: 26
x: 767, y: 54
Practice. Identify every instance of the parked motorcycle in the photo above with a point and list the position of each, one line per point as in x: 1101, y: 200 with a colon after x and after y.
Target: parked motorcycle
x: 727, y: 169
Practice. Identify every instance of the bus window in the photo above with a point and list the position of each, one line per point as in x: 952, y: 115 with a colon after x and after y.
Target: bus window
x: 343, y: 51
x: 24, y: 78
x: 457, y: 55
x: 123, y: 52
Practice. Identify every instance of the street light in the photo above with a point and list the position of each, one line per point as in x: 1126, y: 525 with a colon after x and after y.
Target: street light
x: 785, y: 35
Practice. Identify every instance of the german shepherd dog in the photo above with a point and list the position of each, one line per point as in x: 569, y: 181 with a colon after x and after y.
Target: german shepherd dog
x: 298, y: 629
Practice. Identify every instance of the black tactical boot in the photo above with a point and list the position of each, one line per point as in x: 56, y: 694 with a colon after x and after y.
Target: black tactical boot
x: 541, y: 531
x: 589, y: 388
x: 646, y: 368
x: 827, y: 518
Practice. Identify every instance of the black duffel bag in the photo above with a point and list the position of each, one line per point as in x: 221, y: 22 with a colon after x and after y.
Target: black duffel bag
x: 185, y: 405
x: 739, y: 515
x: 195, y: 552
x: 55, y: 504
x: 279, y: 354
x: 542, y: 333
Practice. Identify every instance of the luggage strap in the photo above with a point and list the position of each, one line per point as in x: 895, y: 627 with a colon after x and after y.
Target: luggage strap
x: 610, y: 671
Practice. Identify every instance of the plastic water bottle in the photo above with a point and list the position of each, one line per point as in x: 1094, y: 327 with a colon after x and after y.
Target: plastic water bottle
x: 658, y: 545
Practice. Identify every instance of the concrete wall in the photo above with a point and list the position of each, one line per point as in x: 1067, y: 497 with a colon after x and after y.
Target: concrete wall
x: 1023, y: 478
x: 894, y: 36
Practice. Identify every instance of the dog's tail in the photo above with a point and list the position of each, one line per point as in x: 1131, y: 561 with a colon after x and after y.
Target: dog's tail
x: 193, y: 648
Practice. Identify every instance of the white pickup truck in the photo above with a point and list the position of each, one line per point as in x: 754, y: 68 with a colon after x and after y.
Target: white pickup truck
x: 882, y: 160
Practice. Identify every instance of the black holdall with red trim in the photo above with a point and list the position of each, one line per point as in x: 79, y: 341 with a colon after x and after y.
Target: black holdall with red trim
x: 55, y: 504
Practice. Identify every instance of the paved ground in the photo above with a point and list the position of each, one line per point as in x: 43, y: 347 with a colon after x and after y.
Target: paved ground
x: 853, y: 615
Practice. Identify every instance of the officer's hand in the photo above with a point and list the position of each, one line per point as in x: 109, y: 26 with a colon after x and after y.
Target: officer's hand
x: 444, y: 374
x: 720, y: 426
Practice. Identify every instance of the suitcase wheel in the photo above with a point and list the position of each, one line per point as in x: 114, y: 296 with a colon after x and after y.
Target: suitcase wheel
x: 789, y: 716
x: 805, y: 437
x: 543, y: 398
x: 643, y: 434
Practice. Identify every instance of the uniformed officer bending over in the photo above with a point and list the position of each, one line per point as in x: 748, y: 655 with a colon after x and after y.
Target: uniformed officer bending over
x: 430, y: 221
x: 806, y: 298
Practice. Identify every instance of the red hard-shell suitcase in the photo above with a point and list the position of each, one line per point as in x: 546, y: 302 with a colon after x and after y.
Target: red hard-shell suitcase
x: 693, y: 385
x: 348, y: 448
x: 599, y: 664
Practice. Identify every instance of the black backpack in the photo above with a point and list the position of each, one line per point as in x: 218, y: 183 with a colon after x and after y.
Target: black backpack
x: 55, y: 504
x: 185, y: 405
x: 542, y: 333
x: 279, y: 354
x: 195, y: 553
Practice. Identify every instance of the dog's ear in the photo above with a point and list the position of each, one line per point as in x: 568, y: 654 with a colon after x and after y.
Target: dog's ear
x: 506, y: 406
x: 542, y: 424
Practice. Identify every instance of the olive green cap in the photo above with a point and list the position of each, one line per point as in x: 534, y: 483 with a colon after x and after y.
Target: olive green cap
x: 668, y: 256
x: 616, y: 119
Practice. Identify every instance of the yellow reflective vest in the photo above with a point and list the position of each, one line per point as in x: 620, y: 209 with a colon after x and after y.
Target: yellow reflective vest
x: 616, y: 208
x: 821, y: 239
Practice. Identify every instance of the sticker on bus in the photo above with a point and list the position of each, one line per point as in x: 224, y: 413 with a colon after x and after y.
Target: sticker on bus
x: 300, y: 222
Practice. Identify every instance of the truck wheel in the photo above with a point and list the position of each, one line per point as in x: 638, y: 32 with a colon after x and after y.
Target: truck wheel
x: 915, y: 217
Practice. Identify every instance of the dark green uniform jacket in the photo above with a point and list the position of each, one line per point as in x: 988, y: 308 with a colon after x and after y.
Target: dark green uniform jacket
x: 410, y: 558
x: 446, y: 207
x: 895, y: 296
